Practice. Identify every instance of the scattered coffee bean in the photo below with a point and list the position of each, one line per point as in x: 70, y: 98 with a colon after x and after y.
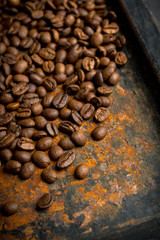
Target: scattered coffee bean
x: 12, y: 167
x: 66, y: 159
x: 67, y: 127
x: 22, y: 156
x: 64, y: 113
x: 45, y: 201
x: 55, y: 152
x: 5, y: 155
x: 66, y: 143
x: 52, y: 129
x: 87, y: 111
x: 49, y: 175
x: 81, y: 171
x: 27, y: 170
x: 99, y: 133
x: 44, y: 143
x: 50, y: 113
x: 78, y: 138
x: 40, y: 159
x: 101, y: 114
x: 10, y: 208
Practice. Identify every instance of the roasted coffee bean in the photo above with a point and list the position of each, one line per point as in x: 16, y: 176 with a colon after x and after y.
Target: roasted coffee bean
x: 48, y: 66
x: 20, y: 88
x: 50, y: 113
x: 47, y: 100
x: 67, y: 127
x: 98, y: 79
x: 49, y: 175
x: 75, y: 105
x: 26, y: 122
x: 111, y: 28
x: 60, y: 56
x: 6, y: 97
x: 72, y: 89
x: 47, y: 53
x: 12, y: 167
x: 66, y: 143
x: 45, y: 201
x: 55, y: 152
x: 34, y: 48
x: 81, y: 171
x: 10, y: 59
x: 82, y: 93
x: 6, y: 69
x: 40, y: 159
x: 14, y: 128
x: 104, y: 91
x: 66, y: 159
x: 40, y: 122
x: 12, y: 106
x: 7, y: 140
x: 101, y: 114
x: 89, y: 97
x: 41, y: 91
x: 20, y: 66
x: 27, y: 170
x: 60, y: 100
x: 5, y: 155
x: 104, y: 61
x: 36, y: 79
x: 26, y: 42
x: 90, y: 75
x: 27, y: 132
x: 64, y: 113
x: 88, y: 63
x: 25, y: 144
x: 44, y: 144
x: 96, y: 102
x: 39, y: 134
x: 105, y: 101
x: 107, y: 72
x: 20, y: 78
x: 99, y: 133
x: 120, y: 58
x: 11, y: 207
x: 50, y: 84
x: 5, y: 119
x: 96, y: 39
x: 2, y: 110
x: 87, y: 111
x: 78, y: 138
x: 45, y: 37
x: 120, y: 41
x: 113, y: 79
x: 23, y: 113
x: 36, y: 109
x: 23, y: 31
x: 60, y: 78
x: 52, y: 129
x: 70, y: 80
x: 3, y: 48
x: 31, y: 98
x: 69, y: 69
x: 59, y: 68
x: 73, y: 54
x: 22, y: 156
x: 37, y: 59
x: 76, y: 118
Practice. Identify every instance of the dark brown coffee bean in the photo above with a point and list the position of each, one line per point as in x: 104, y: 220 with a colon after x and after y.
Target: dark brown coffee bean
x: 75, y: 105
x: 60, y: 100
x: 26, y: 42
x: 20, y: 88
x: 2, y: 110
x: 36, y: 109
x: 9, y: 208
x: 59, y: 68
x: 26, y: 122
x: 52, y: 129
x: 20, y: 66
x: 45, y: 37
x: 70, y: 80
x: 72, y: 89
x: 40, y: 122
x: 6, y: 69
x: 121, y: 58
x: 3, y: 48
x: 64, y: 113
x: 60, y: 78
x: 50, y: 84
x: 44, y: 143
x: 61, y: 56
x: 23, y: 31
x: 73, y: 54
x: 47, y: 53
x: 49, y: 175
x: 87, y: 111
x: 67, y: 127
x: 90, y: 75
x: 120, y: 41
x: 34, y: 48
x: 113, y: 79
x: 99, y: 133
x: 88, y: 84
x: 55, y: 152
x: 20, y: 78
x: 25, y: 144
x: 66, y: 159
x: 69, y: 69
x: 82, y: 93
x: 45, y: 201
x: 36, y: 79
x: 96, y: 102
x: 12, y: 167
x: 23, y: 113
x: 22, y: 156
x: 66, y: 143
x: 27, y: 132
x: 13, y: 144
x: 5, y: 155
x: 101, y: 114
x: 37, y: 59
x: 78, y: 138
x: 31, y: 98
x: 41, y: 91
x: 7, y: 140
x: 47, y: 100
x: 5, y: 119
x: 40, y: 159
x: 76, y: 118
x: 9, y: 58
x: 104, y: 91
x: 105, y: 101
x: 107, y: 72
x: 89, y: 97
x: 88, y: 63
x: 39, y: 134
x: 6, y: 97
x: 98, y: 79
x: 78, y: 32
x: 50, y: 113
x: 27, y: 170
x: 48, y: 66
x: 81, y: 171
x: 104, y: 61
x: 96, y: 39
x: 12, y: 106
x: 111, y: 28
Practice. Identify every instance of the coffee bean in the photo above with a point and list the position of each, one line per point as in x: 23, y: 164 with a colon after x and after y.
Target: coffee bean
x: 40, y: 122
x: 40, y: 159
x: 3, y: 47
x: 76, y: 118
x: 5, y: 155
x: 87, y: 111
x: 20, y: 78
x: 82, y: 93
x: 6, y: 140
x: 61, y: 56
x: 2, y: 110
x: 60, y: 100
x: 22, y: 156
x: 70, y: 80
x: 49, y: 83
x: 27, y: 122
x: 60, y: 78
x: 39, y: 134
x: 104, y: 91
x: 23, y: 112
x: 41, y: 91
x: 12, y: 167
x: 27, y: 170
x: 105, y: 101
x: 96, y: 39
x: 72, y: 89
x: 25, y: 144
x: 50, y: 113
x: 75, y: 105
x: 11, y: 207
x: 44, y: 143
x: 113, y: 79
x: 52, y: 129
x: 49, y: 175
x: 96, y: 102
x: 27, y: 132
x: 120, y: 58
x: 45, y: 37
x: 81, y: 171
x: 89, y: 97
x: 36, y: 79
x: 36, y: 109
x: 120, y: 41
x: 47, y: 53
x: 101, y: 114
x: 98, y: 79
x: 111, y: 28
x: 69, y: 69
x: 23, y: 31
x: 104, y: 61
x: 64, y: 113
x: 90, y: 75
x: 20, y: 88
x: 5, y: 119
x: 99, y: 133
x: 66, y: 143
x: 55, y: 152
x: 48, y: 66
x: 45, y: 201
x: 20, y: 66
x: 88, y: 63
x: 67, y: 127
x: 47, y: 100
x: 31, y: 98
x: 59, y: 68
x: 78, y: 138
x: 66, y: 159
x: 12, y: 106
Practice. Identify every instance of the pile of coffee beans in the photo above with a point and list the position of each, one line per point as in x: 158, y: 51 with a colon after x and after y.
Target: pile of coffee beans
x: 46, y: 45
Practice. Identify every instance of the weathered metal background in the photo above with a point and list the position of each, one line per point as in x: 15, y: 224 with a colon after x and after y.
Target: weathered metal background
x: 122, y: 190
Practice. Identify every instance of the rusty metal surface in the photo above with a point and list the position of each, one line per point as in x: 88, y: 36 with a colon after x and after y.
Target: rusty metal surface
x: 123, y: 186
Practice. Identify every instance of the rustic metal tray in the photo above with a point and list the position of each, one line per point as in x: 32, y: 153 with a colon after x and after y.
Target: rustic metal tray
x: 120, y: 199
